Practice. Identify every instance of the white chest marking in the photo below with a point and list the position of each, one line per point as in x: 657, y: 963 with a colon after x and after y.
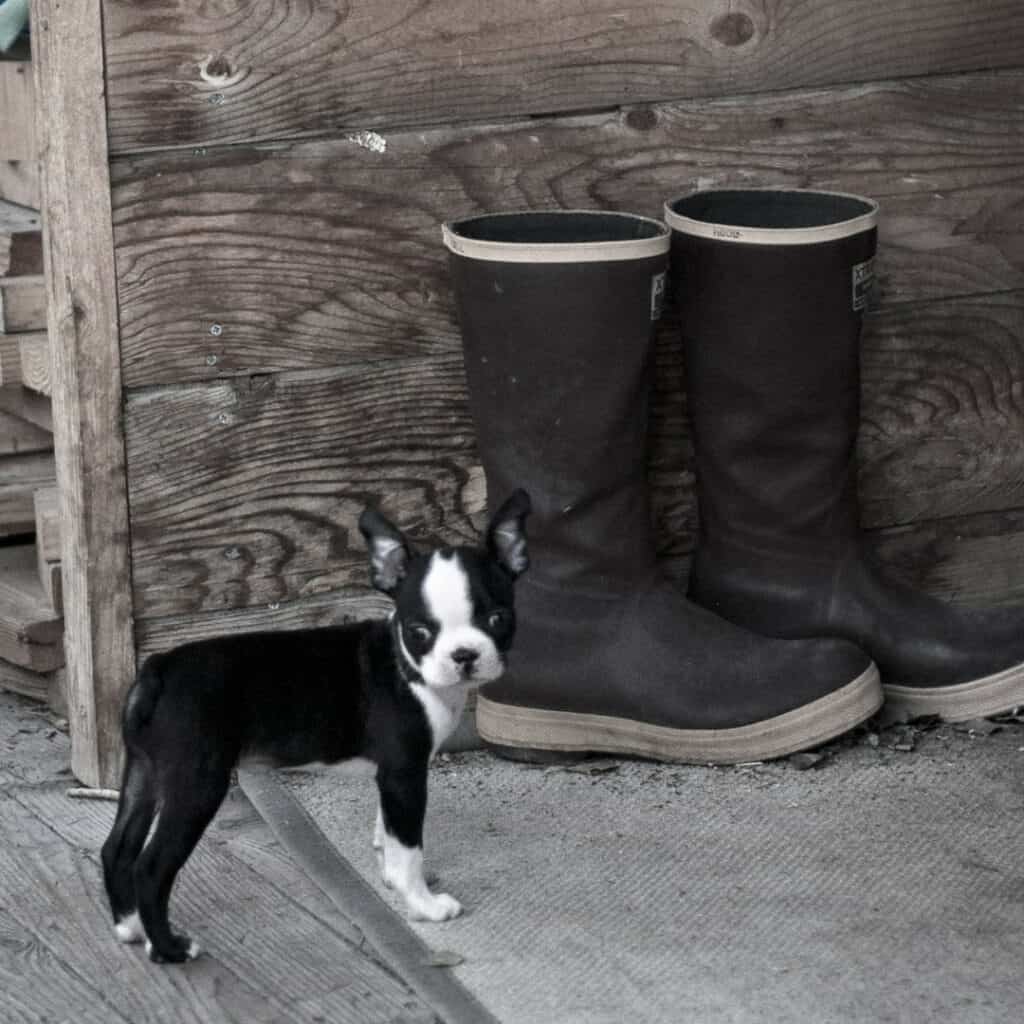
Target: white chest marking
x: 443, y: 708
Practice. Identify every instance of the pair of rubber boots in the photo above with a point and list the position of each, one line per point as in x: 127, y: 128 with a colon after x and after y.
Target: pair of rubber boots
x: 790, y: 636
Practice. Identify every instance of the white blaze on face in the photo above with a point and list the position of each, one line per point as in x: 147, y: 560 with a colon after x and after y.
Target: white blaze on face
x: 447, y: 600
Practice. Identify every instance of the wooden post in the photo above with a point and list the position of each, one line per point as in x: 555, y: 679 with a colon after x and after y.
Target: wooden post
x: 78, y: 250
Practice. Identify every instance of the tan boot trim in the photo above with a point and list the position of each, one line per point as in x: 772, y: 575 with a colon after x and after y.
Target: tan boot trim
x: 989, y: 695
x: 808, y: 726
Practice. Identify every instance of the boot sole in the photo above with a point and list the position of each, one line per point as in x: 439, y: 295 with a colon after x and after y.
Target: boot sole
x: 507, y: 725
x: 989, y: 695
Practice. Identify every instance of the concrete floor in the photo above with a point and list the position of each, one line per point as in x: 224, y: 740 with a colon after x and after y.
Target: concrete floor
x: 885, y: 883
x: 882, y: 883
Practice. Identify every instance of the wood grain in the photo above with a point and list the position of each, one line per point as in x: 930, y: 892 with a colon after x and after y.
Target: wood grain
x: 86, y: 373
x: 10, y: 360
x: 47, y: 515
x: 19, y: 182
x: 37, y: 685
x: 31, y: 633
x: 22, y: 304
x: 187, y: 74
x: 21, y: 247
x: 16, y: 400
x: 20, y: 476
x: 17, y: 111
x: 19, y: 435
x: 268, y: 959
x: 261, y: 259
x: 34, y: 356
x: 245, y: 492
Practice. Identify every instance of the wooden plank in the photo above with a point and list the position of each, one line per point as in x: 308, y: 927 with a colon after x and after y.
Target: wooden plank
x: 20, y: 680
x: 34, y: 357
x: 31, y: 633
x: 192, y: 74
x: 82, y: 314
x: 246, y: 492
x: 18, y: 435
x: 19, y: 182
x: 20, y: 477
x: 17, y: 111
x: 327, y: 609
x: 10, y: 360
x: 17, y: 400
x: 47, y: 515
x: 267, y: 957
x: 21, y: 241
x: 22, y: 304
x: 250, y: 260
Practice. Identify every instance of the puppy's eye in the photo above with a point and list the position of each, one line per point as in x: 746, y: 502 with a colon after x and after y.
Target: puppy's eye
x: 422, y: 634
x: 499, y: 619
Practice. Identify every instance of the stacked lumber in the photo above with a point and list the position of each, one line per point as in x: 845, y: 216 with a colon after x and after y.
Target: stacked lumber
x: 31, y: 624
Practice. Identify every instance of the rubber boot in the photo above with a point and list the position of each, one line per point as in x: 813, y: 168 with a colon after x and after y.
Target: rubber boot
x: 771, y: 287
x: 556, y: 312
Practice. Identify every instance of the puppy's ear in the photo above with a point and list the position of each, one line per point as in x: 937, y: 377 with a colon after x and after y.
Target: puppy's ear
x: 389, y: 552
x: 506, y: 536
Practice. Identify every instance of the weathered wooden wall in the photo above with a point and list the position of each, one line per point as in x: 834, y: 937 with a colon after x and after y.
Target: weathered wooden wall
x: 279, y: 170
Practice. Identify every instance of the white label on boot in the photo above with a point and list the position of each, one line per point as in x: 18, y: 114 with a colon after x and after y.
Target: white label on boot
x: 657, y: 294
x: 863, y: 279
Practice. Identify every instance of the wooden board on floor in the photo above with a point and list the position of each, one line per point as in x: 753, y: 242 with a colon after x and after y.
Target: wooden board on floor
x: 17, y: 400
x: 22, y: 304
x: 254, y: 260
x: 274, y: 950
x: 194, y: 74
x: 21, y: 476
x: 246, y: 492
x: 31, y: 633
x: 21, y: 244
x: 34, y: 357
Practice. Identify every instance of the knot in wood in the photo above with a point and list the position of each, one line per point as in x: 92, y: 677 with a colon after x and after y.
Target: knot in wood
x: 732, y: 29
x: 641, y: 119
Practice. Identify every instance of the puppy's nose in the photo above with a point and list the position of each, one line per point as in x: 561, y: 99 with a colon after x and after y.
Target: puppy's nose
x: 465, y: 657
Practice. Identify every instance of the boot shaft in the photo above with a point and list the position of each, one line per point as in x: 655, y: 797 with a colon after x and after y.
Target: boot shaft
x: 771, y: 287
x: 556, y: 312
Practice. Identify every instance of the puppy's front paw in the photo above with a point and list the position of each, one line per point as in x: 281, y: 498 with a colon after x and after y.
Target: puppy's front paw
x: 441, y: 907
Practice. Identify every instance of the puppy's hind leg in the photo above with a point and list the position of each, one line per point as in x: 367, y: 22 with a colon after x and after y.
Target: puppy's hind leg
x: 187, y: 806
x: 135, y: 810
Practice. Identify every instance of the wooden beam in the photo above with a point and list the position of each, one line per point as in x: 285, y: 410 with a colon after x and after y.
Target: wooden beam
x: 82, y: 321
x: 22, y: 304
x: 202, y: 74
x: 247, y: 260
x: 34, y: 356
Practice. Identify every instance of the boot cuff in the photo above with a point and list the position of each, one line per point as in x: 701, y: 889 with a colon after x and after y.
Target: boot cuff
x: 557, y: 236
x: 771, y: 216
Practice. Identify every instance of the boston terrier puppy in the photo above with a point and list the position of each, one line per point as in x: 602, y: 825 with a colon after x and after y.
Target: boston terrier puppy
x: 386, y: 691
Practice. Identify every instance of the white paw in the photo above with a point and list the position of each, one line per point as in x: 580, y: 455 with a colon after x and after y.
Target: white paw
x: 129, y: 929
x: 441, y: 907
